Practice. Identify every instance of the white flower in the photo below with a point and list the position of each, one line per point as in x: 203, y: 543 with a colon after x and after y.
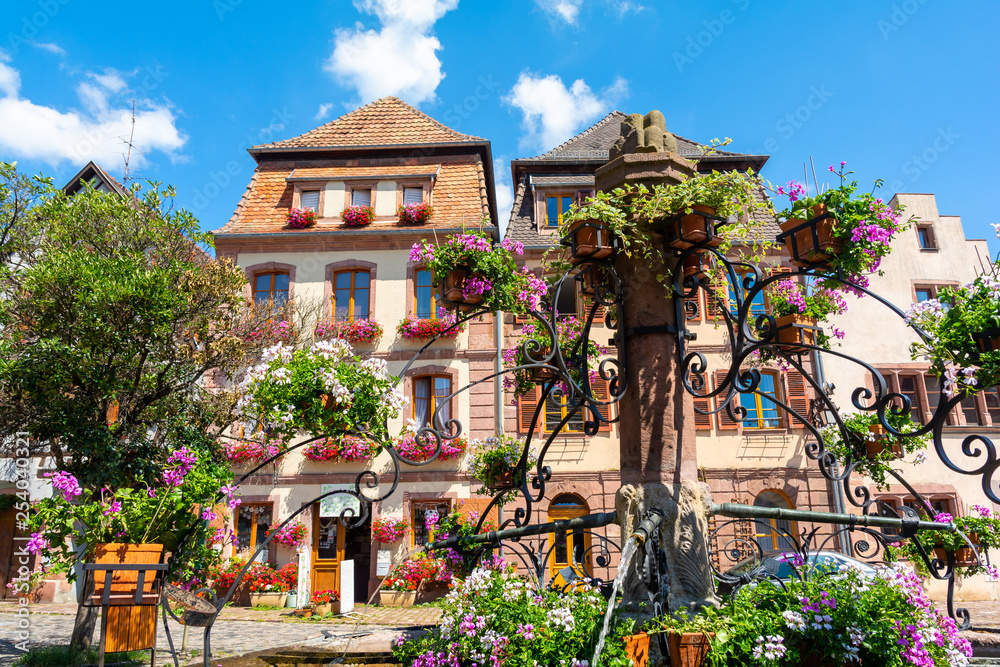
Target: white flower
x: 281, y: 375
x: 794, y: 620
x: 277, y: 351
x: 379, y: 368
x: 919, y: 458
x: 332, y: 349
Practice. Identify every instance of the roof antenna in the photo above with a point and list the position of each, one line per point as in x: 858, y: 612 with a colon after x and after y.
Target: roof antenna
x: 815, y: 180
x: 128, y: 155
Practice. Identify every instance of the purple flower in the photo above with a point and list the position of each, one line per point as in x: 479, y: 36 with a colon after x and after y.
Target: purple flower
x: 65, y: 482
x: 114, y: 508
x: 943, y: 517
x: 151, y: 492
x: 36, y: 544
x: 526, y: 630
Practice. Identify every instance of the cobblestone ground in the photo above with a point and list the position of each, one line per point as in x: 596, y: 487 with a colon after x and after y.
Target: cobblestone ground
x: 236, y: 632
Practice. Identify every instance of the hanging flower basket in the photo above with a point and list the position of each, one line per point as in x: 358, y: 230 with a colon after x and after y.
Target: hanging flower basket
x: 542, y: 373
x: 689, y: 649
x: 463, y: 289
x: 695, y: 228
x: 811, y: 243
x: 875, y: 447
x: 964, y: 556
x: 794, y: 332
x: 589, y: 239
x: 293, y: 535
x: 590, y: 278
x: 358, y: 216
x: 988, y: 341
x: 389, y: 530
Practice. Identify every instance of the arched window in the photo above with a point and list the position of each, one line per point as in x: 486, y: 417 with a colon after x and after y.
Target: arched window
x: 270, y: 290
x: 780, y: 529
x: 570, y: 551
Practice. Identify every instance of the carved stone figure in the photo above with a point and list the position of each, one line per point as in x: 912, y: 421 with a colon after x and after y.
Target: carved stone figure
x: 644, y: 134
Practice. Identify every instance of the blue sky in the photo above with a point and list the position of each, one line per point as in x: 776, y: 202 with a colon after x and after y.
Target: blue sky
x: 905, y: 90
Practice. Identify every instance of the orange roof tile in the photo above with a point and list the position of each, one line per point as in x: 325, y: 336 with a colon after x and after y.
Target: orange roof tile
x: 388, y: 121
x: 387, y: 171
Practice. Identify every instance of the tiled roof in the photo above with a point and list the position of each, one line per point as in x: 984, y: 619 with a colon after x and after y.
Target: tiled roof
x: 388, y: 121
x: 459, y: 195
x: 562, y: 179
x: 382, y: 171
x: 89, y: 171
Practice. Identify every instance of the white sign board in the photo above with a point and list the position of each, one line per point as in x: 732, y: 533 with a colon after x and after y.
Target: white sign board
x: 346, y: 586
x: 336, y: 504
x: 383, y: 562
x: 303, y: 583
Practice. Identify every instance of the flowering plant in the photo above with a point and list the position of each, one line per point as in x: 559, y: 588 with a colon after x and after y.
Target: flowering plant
x: 570, y: 333
x: 853, y: 445
x: 495, y: 618
x: 411, y: 449
x: 494, y: 462
x: 952, y: 323
x: 423, y: 328
x: 358, y: 332
x: 408, y: 574
x: 358, y: 216
x: 289, y: 573
x: 325, y: 597
x: 982, y: 529
x: 320, y: 390
x: 864, y: 224
x: 242, y: 452
x: 293, y: 535
x: 492, y: 270
x: 837, y: 618
x: 264, y: 578
x: 341, y: 448
x: 164, y: 513
x: 300, y: 218
x: 388, y: 530
x: 415, y: 214
x: 223, y: 575
x: 266, y: 332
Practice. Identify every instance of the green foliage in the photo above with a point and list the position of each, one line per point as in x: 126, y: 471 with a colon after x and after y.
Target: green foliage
x: 491, y: 458
x: 570, y: 333
x: 981, y: 528
x: 63, y: 656
x: 849, y: 445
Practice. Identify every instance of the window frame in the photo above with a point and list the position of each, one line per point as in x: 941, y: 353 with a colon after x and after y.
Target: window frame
x: 351, y: 186
x: 432, y: 395
x: 417, y: 270
x: 782, y: 415
x: 559, y: 196
x: 353, y: 271
x: 268, y: 554
x: 734, y: 304
x: 926, y: 229
x: 306, y: 187
x: 773, y: 534
x: 273, y: 273
x: 423, y: 503
x: 563, y: 411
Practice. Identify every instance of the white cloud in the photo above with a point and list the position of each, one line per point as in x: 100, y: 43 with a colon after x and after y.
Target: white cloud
x: 324, y: 111
x: 96, y: 132
x: 567, y: 10
x: 51, y: 48
x: 505, y: 192
x: 553, y: 113
x: 399, y: 59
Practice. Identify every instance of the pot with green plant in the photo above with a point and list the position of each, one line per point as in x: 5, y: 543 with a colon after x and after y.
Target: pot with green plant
x: 981, y: 527
x: 798, y: 312
x: 569, y: 331
x: 588, y: 239
x: 871, y: 453
x: 690, y: 636
x: 326, y: 602
x: 493, y: 461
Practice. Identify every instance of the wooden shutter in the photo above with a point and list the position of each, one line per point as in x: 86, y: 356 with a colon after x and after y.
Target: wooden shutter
x: 599, y: 313
x: 796, y: 397
x: 413, y: 196
x: 702, y: 422
x: 713, y: 307
x: 310, y: 199
x: 725, y: 422
x: 599, y: 387
x: 526, y: 406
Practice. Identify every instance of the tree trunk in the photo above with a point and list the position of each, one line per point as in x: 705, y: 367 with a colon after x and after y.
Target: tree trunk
x: 86, y: 618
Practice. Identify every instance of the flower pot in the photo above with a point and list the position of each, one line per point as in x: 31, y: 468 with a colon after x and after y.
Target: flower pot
x: 874, y: 448
x: 590, y: 278
x: 130, y: 627
x: 637, y: 649
x: 689, y: 649
x: 807, y: 251
x: 588, y: 240
x: 696, y: 266
x: 323, y: 609
x: 685, y: 230
x: 451, y: 290
x: 398, y: 598
x: 794, y: 332
x: 541, y: 374
x: 966, y: 557
x: 988, y: 341
x: 268, y: 599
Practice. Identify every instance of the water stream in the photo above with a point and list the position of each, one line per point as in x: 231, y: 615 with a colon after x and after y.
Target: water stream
x: 627, y: 552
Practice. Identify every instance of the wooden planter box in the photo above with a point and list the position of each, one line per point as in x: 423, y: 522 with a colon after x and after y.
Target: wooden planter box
x: 689, y: 649
x: 637, y: 649
x: 964, y: 556
x: 588, y: 239
x: 451, y: 291
x: 130, y: 627
x: 686, y: 230
x: 807, y: 250
x: 398, y: 598
x: 268, y: 599
x: 794, y: 332
x: 328, y: 608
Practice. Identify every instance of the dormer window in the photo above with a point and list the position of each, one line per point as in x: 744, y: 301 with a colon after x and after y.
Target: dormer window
x: 309, y: 200
x: 413, y: 196
x: 361, y: 197
x: 555, y: 207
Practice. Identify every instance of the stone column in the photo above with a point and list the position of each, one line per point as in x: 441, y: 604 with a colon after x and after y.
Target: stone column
x: 659, y: 461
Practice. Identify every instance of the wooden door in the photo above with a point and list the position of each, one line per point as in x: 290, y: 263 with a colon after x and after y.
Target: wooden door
x: 7, y: 570
x: 327, y: 552
x: 569, y: 556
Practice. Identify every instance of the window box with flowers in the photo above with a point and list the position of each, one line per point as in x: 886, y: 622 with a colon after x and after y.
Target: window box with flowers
x: 473, y: 272
x: 420, y: 449
x: 358, y: 216
x: 389, y: 530
x: 415, y: 214
x: 356, y: 332
x: 300, y: 218
x: 251, y: 452
x: 425, y: 328
x: 341, y: 448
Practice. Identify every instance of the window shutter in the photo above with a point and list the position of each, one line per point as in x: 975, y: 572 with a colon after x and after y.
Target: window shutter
x: 588, y: 302
x: 413, y: 196
x: 797, y: 397
x: 361, y: 197
x: 702, y: 422
x: 310, y: 199
x: 713, y: 307
x: 526, y: 406
x: 599, y: 387
x: 725, y: 422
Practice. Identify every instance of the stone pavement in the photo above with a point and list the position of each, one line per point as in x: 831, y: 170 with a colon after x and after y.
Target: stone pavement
x: 237, y: 631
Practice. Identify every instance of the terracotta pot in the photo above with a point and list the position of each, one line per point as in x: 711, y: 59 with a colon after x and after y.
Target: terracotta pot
x: 805, y: 252
x: 268, y: 599
x: 540, y: 374
x: 504, y: 480
x: 988, y: 341
x: 875, y: 447
x: 451, y: 290
x: 589, y: 242
x: 591, y: 277
x: 130, y: 627
x: 697, y: 266
x: 398, y: 598
x: 793, y: 333
x: 637, y: 649
x: 964, y: 556
x: 687, y: 230
x: 689, y: 649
